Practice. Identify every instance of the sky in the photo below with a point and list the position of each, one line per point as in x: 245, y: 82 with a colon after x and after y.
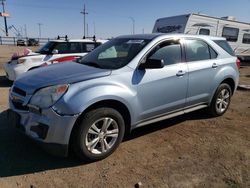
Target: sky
x: 109, y: 18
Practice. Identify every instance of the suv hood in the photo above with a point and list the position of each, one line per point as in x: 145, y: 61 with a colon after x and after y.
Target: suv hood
x: 65, y: 73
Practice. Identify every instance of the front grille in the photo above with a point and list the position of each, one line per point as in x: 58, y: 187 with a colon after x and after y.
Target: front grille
x: 19, y: 91
x: 19, y: 106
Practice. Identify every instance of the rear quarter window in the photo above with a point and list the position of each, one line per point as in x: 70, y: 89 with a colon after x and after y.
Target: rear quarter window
x: 224, y: 45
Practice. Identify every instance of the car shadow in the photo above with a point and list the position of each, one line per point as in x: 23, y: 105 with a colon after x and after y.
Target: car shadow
x: 141, y: 131
x: 20, y: 156
x: 4, y: 82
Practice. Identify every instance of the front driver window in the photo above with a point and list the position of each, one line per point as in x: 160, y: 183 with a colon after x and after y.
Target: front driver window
x: 169, y: 51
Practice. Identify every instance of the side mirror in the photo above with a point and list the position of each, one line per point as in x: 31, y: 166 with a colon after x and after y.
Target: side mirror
x: 55, y: 51
x: 152, y: 64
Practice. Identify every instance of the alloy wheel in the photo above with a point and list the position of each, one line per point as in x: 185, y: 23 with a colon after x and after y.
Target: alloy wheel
x: 102, y: 135
x: 223, y: 100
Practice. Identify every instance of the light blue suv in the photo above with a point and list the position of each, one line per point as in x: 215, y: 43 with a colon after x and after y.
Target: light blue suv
x: 126, y: 83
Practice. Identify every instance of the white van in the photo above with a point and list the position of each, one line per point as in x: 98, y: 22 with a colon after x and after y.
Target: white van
x: 237, y: 33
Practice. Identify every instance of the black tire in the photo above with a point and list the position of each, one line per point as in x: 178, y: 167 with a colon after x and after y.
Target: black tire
x: 81, y: 134
x: 214, y: 108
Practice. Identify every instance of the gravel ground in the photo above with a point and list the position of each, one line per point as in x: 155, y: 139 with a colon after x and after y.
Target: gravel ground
x: 192, y: 150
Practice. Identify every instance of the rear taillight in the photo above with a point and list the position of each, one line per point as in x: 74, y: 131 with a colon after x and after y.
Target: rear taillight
x: 238, y: 63
x: 62, y: 59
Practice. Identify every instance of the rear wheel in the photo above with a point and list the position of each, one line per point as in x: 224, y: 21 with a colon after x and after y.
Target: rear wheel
x: 221, y: 100
x: 99, y: 134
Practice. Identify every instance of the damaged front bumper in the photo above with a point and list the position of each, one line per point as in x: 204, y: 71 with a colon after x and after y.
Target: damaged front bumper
x: 48, y: 128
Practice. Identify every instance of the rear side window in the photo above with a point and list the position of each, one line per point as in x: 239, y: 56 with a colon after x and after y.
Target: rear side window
x: 197, y: 50
x: 213, y: 53
x: 68, y: 47
x: 74, y: 47
x: 224, y: 45
x: 204, y: 32
x: 246, y: 38
x: 169, y: 51
x: 230, y: 33
x: 62, y: 47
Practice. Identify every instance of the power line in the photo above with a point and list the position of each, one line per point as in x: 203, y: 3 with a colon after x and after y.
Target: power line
x: 55, y: 8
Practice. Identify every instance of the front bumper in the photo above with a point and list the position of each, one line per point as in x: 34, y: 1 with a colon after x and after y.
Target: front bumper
x: 49, y: 129
x: 13, y: 70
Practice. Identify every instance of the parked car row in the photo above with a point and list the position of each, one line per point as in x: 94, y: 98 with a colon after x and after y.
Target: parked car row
x: 88, y: 104
x: 29, y: 42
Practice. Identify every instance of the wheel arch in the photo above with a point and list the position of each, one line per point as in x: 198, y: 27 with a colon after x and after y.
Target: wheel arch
x: 231, y: 83
x: 228, y: 80
x: 111, y: 103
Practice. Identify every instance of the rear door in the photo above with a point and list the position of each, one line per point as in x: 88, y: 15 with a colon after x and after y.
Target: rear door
x: 202, y: 67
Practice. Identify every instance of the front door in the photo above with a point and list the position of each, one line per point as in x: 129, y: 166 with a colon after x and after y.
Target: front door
x: 164, y: 90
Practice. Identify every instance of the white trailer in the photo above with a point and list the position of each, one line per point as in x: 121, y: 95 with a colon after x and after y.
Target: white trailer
x: 237, y: 33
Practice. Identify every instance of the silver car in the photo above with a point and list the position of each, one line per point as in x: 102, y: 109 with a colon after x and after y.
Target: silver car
x: 126, y: 83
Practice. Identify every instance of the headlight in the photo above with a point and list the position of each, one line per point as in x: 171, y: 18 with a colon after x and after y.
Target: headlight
x: 48, y: 96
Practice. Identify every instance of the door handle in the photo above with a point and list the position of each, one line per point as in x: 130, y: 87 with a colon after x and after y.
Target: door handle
x: 214, y: 65
x: 180, y: 73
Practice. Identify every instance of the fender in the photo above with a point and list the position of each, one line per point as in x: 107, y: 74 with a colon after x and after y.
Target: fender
x: 223, y: 74
x: 80, y: 97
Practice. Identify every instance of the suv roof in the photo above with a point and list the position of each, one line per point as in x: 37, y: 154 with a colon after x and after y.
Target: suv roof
x: 155, y: 35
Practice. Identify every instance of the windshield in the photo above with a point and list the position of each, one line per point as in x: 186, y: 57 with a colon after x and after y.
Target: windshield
x: 114, y: 54
x: 47, y: 48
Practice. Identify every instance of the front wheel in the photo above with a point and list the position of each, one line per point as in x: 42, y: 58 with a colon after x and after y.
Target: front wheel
x: 221, y: 100
x: 99, y: 134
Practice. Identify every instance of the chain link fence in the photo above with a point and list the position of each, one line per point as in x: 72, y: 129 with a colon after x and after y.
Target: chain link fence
x: 13, y: 40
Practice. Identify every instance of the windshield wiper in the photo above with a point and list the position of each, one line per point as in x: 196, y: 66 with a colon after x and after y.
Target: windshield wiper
x: 92, y: 64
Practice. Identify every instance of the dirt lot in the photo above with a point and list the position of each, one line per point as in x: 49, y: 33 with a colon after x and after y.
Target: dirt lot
x: 193, y: 150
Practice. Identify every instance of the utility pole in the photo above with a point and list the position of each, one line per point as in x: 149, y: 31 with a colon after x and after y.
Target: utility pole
x: 87, y: 30
x: 84, y: 20
x: 94, y: 29
x: 133, y: 24
x: 40, y: 32
x: 5, y: 19
x: 25, y: 30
